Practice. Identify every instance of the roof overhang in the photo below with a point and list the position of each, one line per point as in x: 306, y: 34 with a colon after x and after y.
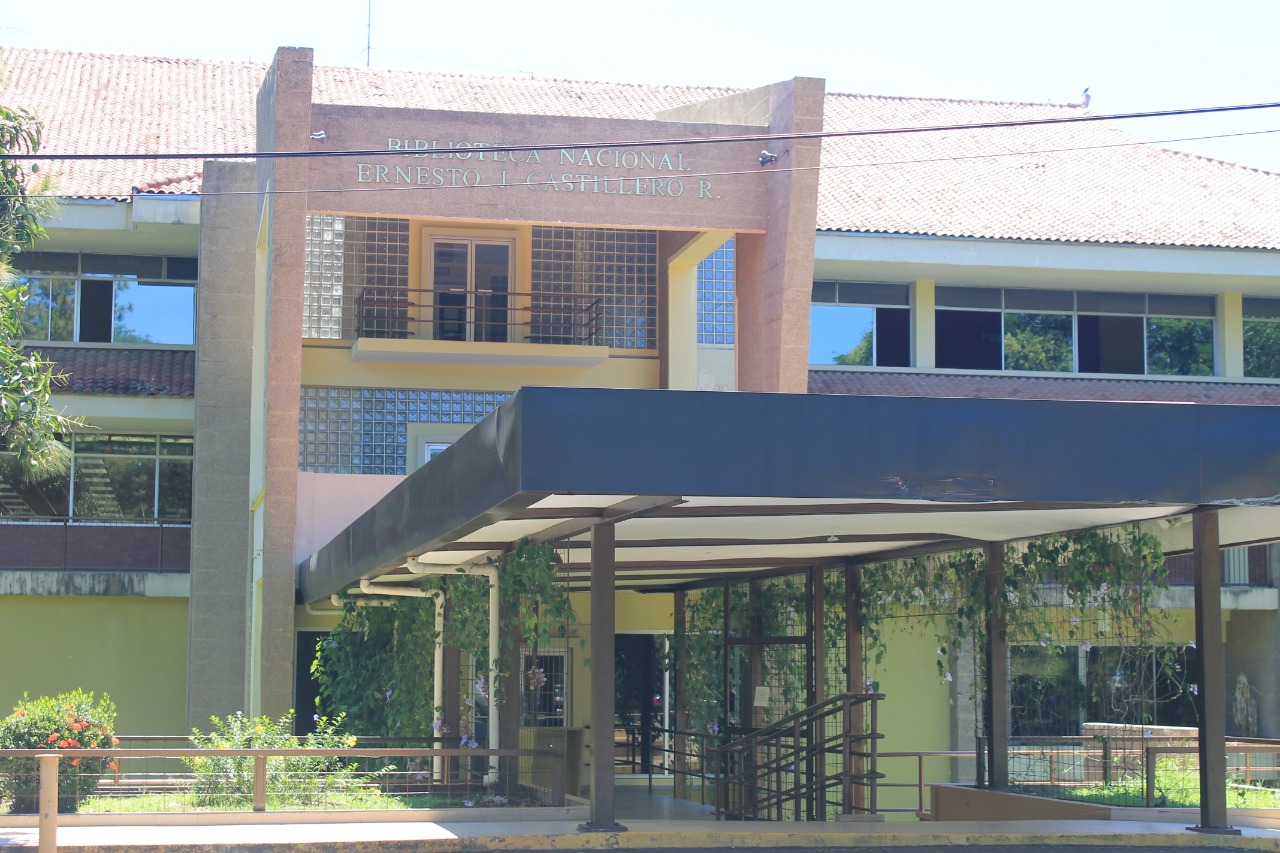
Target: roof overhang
x: 707, y: 483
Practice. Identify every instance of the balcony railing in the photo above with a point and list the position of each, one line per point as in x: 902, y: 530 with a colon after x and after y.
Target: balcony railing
x: 94, y: 544
x: 537, y: 317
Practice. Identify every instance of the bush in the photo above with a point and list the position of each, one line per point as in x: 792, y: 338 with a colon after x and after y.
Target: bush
x: 68, y: 721
x: 292, y: 781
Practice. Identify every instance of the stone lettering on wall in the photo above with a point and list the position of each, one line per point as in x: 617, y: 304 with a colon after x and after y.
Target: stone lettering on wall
x: 619, y: 171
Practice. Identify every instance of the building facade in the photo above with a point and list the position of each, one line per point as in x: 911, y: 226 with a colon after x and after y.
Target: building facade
x: 263, y: 347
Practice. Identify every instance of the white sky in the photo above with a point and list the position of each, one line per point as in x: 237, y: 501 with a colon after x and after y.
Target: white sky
x: 1135, y: 55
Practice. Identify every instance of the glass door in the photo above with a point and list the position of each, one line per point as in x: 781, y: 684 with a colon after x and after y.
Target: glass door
x: 470, y: 284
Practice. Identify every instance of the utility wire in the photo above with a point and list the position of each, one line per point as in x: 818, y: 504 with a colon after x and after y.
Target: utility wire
x: 752, y: 171
x: 647, y: 143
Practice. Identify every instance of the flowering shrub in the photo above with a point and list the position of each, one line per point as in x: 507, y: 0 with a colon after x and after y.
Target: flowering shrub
x: 66, y: 722
x: 292, y: 781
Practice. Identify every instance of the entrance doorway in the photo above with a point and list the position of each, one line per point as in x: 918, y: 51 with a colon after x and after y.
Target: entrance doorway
x: 642, y: 697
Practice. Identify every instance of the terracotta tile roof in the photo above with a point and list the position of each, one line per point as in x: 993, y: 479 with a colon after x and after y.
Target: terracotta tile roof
x: 124, y: 372
x: 1023, y: 387
x: 1082, y: 182
x: 1037, y: 183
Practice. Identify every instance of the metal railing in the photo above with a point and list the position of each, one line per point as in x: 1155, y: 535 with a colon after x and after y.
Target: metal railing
x: 537, y: 317
x: 362, y: 777
x: 818, y: 762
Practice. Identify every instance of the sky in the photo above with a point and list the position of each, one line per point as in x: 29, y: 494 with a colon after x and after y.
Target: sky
x: 1133, y: 55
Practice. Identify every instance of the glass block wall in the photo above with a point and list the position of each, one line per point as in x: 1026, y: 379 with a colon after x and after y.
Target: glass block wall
x: 347, y: 255
x: 322, y: 277
x: 365, y: 430
x: 619, y: 266
x: 715, y: 297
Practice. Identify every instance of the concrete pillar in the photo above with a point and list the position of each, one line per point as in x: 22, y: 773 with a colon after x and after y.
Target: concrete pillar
x: 678, y: 304
x: 603, y: 712
x: 284, y: 124
x: 997, y: 651
x: 218, y: 647
x: 1228, y: 343
x: 775, y: 269
x: 1209, y: 674
x: 923, y: 336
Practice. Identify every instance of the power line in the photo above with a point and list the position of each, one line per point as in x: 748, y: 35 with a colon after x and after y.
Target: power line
x: 653, y: 143
x: 752, y: 171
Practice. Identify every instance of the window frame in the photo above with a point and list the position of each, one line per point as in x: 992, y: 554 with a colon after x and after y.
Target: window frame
x: 895, y: 297
x: 472, y: 309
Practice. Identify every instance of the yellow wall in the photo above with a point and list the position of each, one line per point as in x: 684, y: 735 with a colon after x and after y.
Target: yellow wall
x: 134, y: 649
x: 332, y: 365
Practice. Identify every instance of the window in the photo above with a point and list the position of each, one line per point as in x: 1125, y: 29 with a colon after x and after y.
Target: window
x: 860, y: 323
x: 546, y: 684
x: 139, y: 477
x: 471, y: 288
x: 121, y: 299
x: 1261, y: 337
x: 1085, y: 331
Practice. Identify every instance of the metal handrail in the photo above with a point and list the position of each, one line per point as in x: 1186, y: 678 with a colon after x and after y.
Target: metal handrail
x: 786, y: 766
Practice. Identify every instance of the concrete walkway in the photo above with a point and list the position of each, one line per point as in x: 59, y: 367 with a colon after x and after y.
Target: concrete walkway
x: 513, y: 835
x: 653, y: 822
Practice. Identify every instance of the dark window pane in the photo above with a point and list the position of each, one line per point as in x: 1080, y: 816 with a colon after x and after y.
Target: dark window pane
x: 139, y: 266
x: 175, y: 489
x: 1039, y: 300
x: 873, y: 293
x: 824, y: 291
x: 1177, y: 347
x: 1262, y: 349
x: 492, y: 283
x: 1256, y: 306
x: 893, y: 337
x: 968, y: 297
x: 22, y: 497
x: 1109, y: 344
x: 1095, y: 301
x: 1037, y: 342
x: 182, y: 269
x: 64, y: 262
x: 449, y: 280
x: 95, y: 311
x: 968, y: 340
x: 1167, y: 305
x: 129, y: 445
x: 175, y: 446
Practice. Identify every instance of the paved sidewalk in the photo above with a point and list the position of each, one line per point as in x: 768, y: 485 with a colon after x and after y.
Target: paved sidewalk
x: 515, y: 835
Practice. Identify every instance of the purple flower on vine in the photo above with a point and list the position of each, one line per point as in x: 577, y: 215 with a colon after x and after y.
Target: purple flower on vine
x: 480, y: 685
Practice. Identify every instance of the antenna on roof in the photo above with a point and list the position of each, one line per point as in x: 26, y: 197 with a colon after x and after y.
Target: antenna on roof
x: 368, y: 37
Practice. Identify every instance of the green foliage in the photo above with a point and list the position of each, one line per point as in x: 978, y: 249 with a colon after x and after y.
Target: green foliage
x: 536, y: 604
x: 68, y: 721
x: 859, y: 355
x: 1179, y: 347
x: 20, y: 208
x: 1053, y: 587
x: 1037, y: 342
x: 292, y: 781
x: 376, y: 668
x: 29, y: 425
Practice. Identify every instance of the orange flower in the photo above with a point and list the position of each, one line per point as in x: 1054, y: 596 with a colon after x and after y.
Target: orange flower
x: 75, y: 762
x: 78, y: 726
x: 62, y: 744
x: 74, y: 743
x: 52, y: 738
x: 21, y: 713
x: 114, y: 765
x: 115, y: 741
x: 70, y: 719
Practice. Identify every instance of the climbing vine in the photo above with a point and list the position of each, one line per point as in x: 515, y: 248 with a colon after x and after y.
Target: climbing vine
x: 377, y: 664
x: 1058, y: 591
